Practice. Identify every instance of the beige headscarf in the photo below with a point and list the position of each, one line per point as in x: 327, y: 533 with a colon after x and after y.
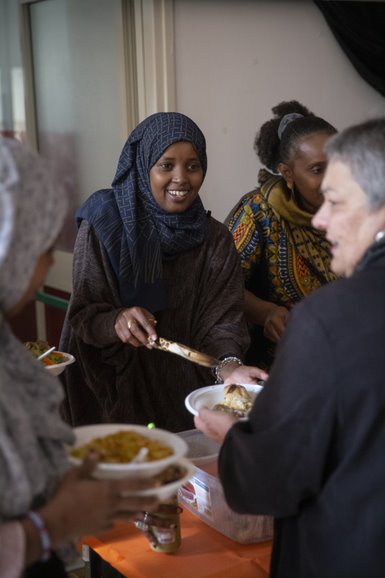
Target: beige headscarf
x: 32, y: 434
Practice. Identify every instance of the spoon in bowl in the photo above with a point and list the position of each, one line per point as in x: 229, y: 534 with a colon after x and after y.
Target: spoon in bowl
x: 140, y: 456
x: 50, y: 350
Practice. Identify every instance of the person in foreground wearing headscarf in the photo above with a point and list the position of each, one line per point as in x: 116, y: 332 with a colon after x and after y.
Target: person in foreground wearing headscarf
x: 149, y: 261
x: 44, y: 503
x: 312, y: 452
x: 284, y: 258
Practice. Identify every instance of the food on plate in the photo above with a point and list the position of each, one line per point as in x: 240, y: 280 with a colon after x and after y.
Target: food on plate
x: 38, y: 347
x: 172, y: 473
x: 122, y: 447
x: 237, y: 400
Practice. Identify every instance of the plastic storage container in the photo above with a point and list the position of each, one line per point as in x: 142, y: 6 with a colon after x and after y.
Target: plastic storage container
x: 203, y: 495
x: 202, y: 451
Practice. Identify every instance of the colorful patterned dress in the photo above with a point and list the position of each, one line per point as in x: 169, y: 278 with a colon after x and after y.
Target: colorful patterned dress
x: 283, y: 257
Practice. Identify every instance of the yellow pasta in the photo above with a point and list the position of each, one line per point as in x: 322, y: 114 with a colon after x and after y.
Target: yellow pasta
x: 121, y: 447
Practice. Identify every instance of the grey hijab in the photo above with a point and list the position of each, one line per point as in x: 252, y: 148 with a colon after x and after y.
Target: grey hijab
x: 32, y: 434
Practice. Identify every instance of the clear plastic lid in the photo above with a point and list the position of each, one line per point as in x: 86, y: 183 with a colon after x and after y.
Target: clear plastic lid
x: 201, y: 449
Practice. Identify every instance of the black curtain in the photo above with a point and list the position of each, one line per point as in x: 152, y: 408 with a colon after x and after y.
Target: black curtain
x: 359, y: 28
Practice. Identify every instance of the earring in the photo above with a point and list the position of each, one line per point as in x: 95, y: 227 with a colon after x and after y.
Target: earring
x: 379, y: 236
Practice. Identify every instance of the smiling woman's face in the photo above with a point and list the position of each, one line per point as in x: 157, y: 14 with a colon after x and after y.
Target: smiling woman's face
x: 176, y: 178
x: 345, y: 216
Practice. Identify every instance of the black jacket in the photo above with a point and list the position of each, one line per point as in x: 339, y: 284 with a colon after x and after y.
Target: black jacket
x: 313, y: 451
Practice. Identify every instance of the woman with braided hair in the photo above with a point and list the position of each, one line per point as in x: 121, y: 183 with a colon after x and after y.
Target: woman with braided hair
x: 283, y: 256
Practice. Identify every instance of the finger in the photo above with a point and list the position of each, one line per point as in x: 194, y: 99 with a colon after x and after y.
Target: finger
x: 152, y: 322
x: 134, y: 341
x: 132, y: 484
x: 133, y: 506
x: 259, y: 376
x: 201, y: 419
x: 198, y: 422
x: 131, y: 325
x: 201, y: 424
x: 263, y: 375
x: 122, y: 330
x: 148, y: 323
x: 134, y: 333
x: 140, y: 332
x: 127, y: 337
x: 204, y: 417
x: 89, y: 464
x: 204, y: 411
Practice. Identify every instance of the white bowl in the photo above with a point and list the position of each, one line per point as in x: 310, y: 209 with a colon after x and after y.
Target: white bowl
x: 58, y: 368
x: 165, y: 492
x: 86, y: 433
x: 213, y: 394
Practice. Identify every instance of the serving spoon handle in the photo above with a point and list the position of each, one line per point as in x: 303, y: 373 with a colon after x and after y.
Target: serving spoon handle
x: 50, y: 350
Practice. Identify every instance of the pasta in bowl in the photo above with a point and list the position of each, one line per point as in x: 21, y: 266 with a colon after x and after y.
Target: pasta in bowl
x: 119, y: 444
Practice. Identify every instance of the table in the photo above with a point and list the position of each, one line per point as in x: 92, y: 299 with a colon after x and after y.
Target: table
x: 205, y: 553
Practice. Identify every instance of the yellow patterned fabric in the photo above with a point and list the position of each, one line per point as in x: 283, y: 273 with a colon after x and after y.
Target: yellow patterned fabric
x: 283, y: 257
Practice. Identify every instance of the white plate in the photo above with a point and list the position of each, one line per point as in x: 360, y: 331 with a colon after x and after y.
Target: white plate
x: 165, y: 492
x: 58, y: 368
x: 86, y: 433
x: 213, y: 394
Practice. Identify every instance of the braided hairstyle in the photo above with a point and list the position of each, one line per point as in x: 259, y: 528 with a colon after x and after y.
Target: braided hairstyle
x: 273, y: 150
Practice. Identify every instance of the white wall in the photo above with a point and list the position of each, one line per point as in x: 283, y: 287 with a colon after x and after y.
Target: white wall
x: 235, y: 60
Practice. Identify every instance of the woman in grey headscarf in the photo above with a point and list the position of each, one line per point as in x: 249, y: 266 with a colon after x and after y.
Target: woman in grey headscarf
x: 43, y: 504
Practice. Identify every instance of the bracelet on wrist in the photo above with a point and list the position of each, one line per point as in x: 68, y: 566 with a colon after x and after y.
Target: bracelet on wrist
x: 222, y: 364
x: 45, y: 540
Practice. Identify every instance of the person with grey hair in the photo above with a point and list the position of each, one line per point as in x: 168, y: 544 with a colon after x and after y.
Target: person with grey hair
x: 312, y: 451
x: 44, y: 503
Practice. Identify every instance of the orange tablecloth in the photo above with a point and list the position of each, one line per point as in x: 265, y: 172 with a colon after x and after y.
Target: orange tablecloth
x: 205, y: 553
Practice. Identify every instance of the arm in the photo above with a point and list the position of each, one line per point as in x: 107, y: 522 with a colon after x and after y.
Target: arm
x: 96, y: 313
x: 82, y: 505
x: 136, y: 326
x: 245, y: 374
x: 247, y: 233
x: 214, y: 424
x: 277, y: 459
x: 12, y: 551
x: 95, y: 303
x: 273, y: 318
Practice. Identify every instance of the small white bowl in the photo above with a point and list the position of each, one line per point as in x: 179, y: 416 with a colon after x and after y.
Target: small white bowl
x: 86, y: 433
x: 165, y: 492
x: 213, y: 394
x: 58, y: 368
